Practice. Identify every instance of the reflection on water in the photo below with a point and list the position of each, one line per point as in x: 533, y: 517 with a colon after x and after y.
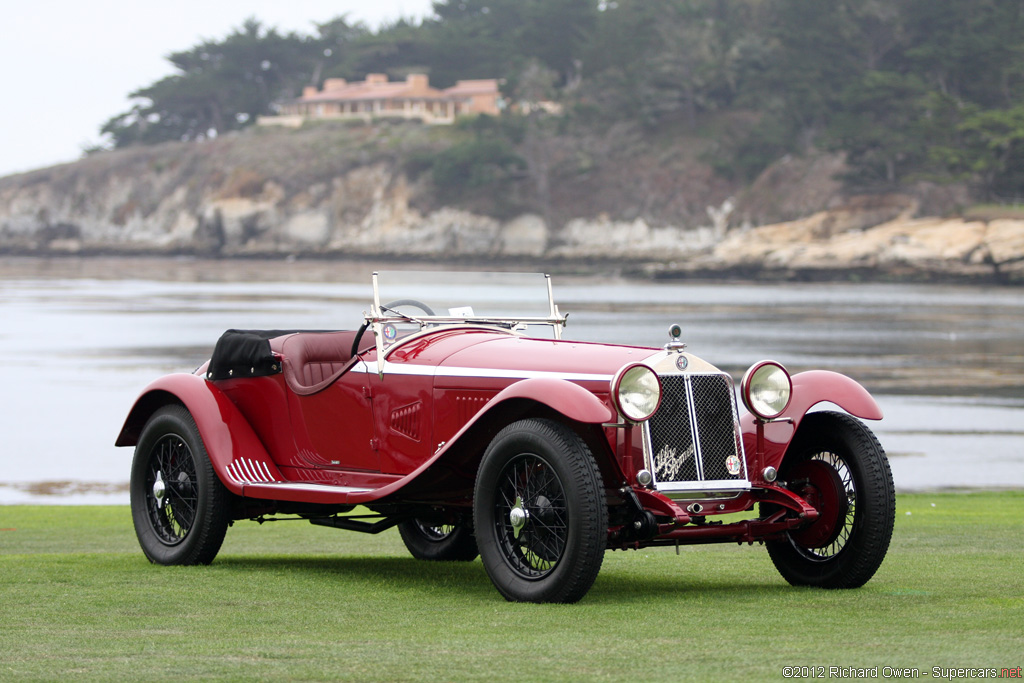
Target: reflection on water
x: 80, y: 338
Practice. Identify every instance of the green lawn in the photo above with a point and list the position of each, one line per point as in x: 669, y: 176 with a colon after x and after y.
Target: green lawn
x: 293, y: 601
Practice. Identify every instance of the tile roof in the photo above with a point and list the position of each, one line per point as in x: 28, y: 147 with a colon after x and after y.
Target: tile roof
x: 406, y: 90
x: 373, y: 91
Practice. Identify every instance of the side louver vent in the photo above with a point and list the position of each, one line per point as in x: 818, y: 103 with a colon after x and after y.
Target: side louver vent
x: 406, y: 420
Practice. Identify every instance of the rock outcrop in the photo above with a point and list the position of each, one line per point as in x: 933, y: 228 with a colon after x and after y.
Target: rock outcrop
x: 96, y: 206
x: 204, y: 201
x: 903, y: 248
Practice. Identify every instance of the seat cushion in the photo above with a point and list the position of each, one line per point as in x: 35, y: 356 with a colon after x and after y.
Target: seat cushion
x: 313, y: 360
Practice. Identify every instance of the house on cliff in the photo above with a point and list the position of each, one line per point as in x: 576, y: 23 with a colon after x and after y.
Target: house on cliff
x: 413, y: 98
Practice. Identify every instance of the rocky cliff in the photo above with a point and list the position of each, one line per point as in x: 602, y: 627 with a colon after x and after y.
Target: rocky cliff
x: 905, y: 248
x: 253, y: 196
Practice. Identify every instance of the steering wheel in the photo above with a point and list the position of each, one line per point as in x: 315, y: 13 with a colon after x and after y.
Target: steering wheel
x: 410, y: 302
x: 391, y: 304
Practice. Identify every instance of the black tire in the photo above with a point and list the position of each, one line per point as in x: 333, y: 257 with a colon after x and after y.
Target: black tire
x: 183, y: 518
x: 837, y: 464
x: 547, y: 473
x: 440, y: 542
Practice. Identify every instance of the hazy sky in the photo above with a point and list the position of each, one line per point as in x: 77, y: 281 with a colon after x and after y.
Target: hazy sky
x: 67, y: 66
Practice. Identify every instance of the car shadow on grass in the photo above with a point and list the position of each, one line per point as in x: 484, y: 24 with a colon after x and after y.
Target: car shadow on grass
x: 630, y: 588
x: 464, y: 580
x: 380, y: 572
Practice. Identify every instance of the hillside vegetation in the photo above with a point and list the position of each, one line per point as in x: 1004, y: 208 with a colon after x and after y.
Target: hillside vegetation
x: 906, y: 90
x: 670, y: 131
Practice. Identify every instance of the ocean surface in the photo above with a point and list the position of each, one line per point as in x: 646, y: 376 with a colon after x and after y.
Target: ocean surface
x: 80, y: 338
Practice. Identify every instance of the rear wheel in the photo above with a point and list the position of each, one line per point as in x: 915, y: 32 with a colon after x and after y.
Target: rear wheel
x: 179, y: 506
x: 540, y: 513
x: 838, y: 466
x: 443, y: 542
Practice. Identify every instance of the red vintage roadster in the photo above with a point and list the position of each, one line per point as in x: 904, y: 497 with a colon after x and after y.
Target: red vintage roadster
x: 482, y: 432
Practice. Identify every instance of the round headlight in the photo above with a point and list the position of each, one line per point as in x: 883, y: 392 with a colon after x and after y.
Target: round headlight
x: 766, y: 389
x: 637, y: 392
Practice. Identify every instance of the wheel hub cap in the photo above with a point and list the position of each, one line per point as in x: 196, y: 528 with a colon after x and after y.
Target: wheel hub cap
x: 518, y: 516
x: 823, y: 488
x: 159, y: 489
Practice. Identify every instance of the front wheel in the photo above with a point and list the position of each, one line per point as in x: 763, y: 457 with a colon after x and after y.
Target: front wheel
x: 837, y: 465
x: 441, y: 542
x: 540, y: 513
x: 179, y: 506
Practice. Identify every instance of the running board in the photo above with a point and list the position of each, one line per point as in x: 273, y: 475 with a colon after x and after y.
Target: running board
x: 305, y: 492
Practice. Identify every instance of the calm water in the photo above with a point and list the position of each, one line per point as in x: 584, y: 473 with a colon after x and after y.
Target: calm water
x: 81, y: 338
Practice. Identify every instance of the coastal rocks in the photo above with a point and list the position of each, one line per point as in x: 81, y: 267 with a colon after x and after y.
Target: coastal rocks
x: 936, y: 246
x: 1004, y: 240
x: 526, y: 235
x: 309, y: 228
x: 397, y: 231
x: 366, y: 211
x: 147, y: 201
x: 602, y: 238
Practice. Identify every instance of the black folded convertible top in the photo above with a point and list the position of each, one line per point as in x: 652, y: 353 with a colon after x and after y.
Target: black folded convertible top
x: 245, y: 353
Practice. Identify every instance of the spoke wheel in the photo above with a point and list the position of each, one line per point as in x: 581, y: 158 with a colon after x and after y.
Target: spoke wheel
x: 837, y: 465
x: 827, y: 483
x: 435, y: 533
x: 428, y: 540
x: 171, y: 492
x: 179, y: 507
x: 540, y: 513
x: 530, y: 516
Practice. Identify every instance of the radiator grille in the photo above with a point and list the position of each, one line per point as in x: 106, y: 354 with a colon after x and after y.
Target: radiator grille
x: 695, y: 433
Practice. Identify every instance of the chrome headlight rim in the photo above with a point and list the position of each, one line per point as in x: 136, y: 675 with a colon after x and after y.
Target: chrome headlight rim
x: 752, y: 385
x: 628, y: 382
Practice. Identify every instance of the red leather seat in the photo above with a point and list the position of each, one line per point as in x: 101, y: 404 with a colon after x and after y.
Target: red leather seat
x: 313, y: 360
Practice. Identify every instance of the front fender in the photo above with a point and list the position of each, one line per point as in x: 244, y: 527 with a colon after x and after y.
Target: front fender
x: 563, y: 396
x: 229, y: 439
x: 451, y: 470
x: 817, y: 386
x: 809, y: 389
x: 519, y: 399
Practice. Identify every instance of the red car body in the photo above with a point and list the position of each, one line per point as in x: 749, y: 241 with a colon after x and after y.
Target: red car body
x: 405, y: 428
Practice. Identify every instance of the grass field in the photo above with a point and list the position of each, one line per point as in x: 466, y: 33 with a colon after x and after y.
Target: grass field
x: 297, y: 602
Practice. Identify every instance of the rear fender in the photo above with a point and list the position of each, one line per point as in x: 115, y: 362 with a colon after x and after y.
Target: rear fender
x: 237, y: 455
x: 809, y: 389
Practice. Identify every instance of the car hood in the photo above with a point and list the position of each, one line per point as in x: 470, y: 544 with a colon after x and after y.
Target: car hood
x: 525, y: 357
